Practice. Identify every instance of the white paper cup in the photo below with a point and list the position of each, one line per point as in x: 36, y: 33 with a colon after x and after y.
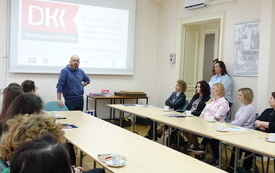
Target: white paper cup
x: 166, y: 108
x: 210, y: 118
x: 221, y: 127
x: 271, y: 137
x: 116, y: 159
x: 188, y: 112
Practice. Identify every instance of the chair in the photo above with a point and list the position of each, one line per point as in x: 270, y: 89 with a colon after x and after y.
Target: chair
x: 184, y: 107
x: 228, y: 116
x: 53, y: 106
x: 3, y: 165
x: 178, y: 134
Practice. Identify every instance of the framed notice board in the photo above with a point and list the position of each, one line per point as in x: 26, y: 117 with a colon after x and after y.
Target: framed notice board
x: 247, y: 41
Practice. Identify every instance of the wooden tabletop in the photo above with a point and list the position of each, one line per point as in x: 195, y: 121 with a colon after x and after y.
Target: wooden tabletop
x: 191, y: 124
x: 95, y: 136
x: 251, y: 140
x: 248, y: 139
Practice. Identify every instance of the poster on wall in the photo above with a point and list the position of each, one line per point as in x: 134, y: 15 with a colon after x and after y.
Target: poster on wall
x: 247, y: 41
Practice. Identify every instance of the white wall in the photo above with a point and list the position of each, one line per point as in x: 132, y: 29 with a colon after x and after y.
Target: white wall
x: 156, y: 39
x: 235, y: 12
x: 144, y: 78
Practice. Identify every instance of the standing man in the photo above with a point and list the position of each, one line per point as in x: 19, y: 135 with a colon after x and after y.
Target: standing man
x: 71, y: 83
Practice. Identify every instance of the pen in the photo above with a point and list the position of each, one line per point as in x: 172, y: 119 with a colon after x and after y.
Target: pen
x: 108, y: 157
x: 104, y: 154
x: 61, y: 118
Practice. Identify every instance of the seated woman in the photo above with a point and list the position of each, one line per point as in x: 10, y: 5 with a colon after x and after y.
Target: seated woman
x: 25, y: 128
x: 196, y: 105
x: 9, y: 94
x: 24, y: 103
x: 265, y: 123
x: 41, y: 155
x: 202, y: 95
x: 175, y: 102
x: 245, y: 117
x: 216, y: 107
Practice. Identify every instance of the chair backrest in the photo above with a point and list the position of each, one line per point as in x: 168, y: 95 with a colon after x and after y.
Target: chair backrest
x: 228, y: 116
x: 3, y: 165
x: 254, y: 126
x: 53, y: 106
x: 185, y: 105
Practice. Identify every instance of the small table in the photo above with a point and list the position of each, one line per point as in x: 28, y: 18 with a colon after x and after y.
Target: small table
x: 112, y: 99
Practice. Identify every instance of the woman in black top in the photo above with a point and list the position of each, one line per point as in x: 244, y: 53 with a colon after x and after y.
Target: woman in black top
x: 201, y: 96
x: 265, y: 123
x: 196, y: 106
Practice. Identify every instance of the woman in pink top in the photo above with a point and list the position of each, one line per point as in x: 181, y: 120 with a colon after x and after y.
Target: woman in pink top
x: 217, y: 107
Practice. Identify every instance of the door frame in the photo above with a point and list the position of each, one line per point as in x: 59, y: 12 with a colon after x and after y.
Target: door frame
x: 181, y: 47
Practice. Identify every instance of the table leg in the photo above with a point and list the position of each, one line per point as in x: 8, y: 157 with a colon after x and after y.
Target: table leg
x: 134, y: 123
x: 111, y: 110
x: 163, y: 135
x: 87, y: 102
x: 81, y: 158
x: 95, y: 107
x: 120, y: 118
x: 254, y: 162
x: 169, y: 135
x: 220, y: 155
x: 154, y: 131
x: 236, y: 159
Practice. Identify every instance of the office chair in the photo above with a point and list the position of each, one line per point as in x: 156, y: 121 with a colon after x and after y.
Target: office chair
x: 53, y: 106
x: 178, y: 135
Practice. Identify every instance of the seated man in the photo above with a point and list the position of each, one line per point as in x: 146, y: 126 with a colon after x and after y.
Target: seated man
x: 29, y: 86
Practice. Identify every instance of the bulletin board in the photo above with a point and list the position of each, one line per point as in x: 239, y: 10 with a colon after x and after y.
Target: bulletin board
x: 247, y: 41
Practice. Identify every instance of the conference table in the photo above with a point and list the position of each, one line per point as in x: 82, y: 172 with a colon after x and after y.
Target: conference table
x: 192, y: 124
x: 95, y: 136
x: 241, y: 138
x: 112, y: 99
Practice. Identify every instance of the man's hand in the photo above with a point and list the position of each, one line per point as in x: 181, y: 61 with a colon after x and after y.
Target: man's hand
x: 60, y: 103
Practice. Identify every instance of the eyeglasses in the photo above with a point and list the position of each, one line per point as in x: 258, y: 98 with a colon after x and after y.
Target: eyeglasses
x: 75, y: 60
x: 36, y: 88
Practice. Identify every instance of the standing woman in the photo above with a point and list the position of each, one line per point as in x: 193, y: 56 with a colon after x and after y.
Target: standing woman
x: 221, y: 76
x: 245, y: 117
x: 175, y: 102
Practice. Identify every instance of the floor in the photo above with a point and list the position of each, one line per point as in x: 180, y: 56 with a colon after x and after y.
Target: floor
x: 88, y: 162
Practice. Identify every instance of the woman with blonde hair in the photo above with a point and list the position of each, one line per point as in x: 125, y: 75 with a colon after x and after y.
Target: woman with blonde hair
x: 26, y: 128
x: 217, y: 107
x: 175, y: 102
x: 245, y: 117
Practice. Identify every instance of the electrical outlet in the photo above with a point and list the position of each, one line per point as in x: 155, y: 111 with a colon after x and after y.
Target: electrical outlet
x: 172, y: 58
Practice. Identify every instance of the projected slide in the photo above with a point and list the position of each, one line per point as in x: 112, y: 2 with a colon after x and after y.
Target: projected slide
x: 49, y: 32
